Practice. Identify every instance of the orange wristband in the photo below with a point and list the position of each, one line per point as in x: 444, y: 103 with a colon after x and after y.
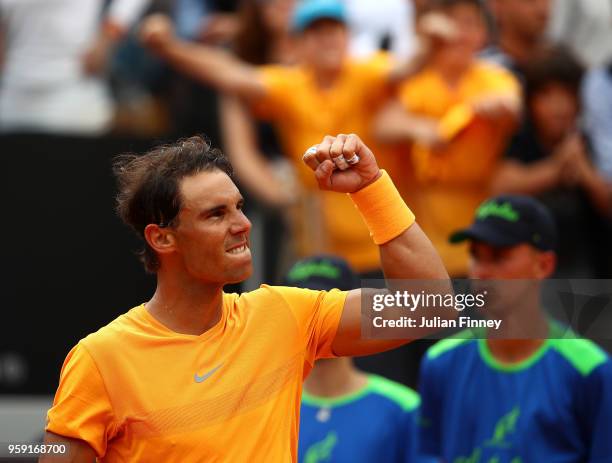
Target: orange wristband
x: 383, y: 209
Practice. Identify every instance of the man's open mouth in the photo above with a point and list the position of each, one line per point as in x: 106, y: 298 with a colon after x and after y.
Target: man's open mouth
x: 238, y: 249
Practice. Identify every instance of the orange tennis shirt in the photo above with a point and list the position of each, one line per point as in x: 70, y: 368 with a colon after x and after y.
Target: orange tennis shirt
x: 137, y: 391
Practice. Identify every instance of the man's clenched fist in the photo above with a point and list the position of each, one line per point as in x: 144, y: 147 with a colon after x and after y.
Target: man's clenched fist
x: 342, y: 163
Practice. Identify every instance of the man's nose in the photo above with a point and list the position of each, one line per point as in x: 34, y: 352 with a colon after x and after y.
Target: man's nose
x: 241, y: 224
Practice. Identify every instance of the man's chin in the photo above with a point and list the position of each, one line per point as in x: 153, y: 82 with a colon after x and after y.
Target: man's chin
x: 241, y: 276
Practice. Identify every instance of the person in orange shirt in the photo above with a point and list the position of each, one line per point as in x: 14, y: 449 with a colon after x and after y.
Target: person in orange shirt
x: 196, y: 374
x: 456, y: 115
x: 325, y: 93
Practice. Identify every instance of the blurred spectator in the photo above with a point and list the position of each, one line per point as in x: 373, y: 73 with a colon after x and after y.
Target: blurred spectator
x: 55, y: 57
x: 263, y: 37
x: 326, y: 93
x: 597, y: 101
x: 348, y: 415
x: 454, y: 117
x: 381, y: 25
x: 584, y: 26
x: 521, y: 27
x: 194, y: 106
x: 550, y: 158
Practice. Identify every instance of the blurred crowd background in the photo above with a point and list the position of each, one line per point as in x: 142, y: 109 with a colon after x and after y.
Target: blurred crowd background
x: 458, y: 100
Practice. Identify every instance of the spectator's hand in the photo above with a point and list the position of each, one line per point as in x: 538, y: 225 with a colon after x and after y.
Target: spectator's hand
x: 289, y: 192
x: 427, y: 132
x: 437, y: 27
x: 330, y: 161
x: 574, y: 166
x: 96, y: 58
x: 219, y: 28
x: 496, y: 107
x: 578, y: 172
x: 580, y: 163
x: 156, y: 31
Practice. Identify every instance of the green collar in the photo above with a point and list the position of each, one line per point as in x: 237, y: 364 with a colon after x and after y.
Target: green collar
x: 329, y: 402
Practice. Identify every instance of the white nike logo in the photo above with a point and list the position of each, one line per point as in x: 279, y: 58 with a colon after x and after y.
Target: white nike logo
x: 205, y: 376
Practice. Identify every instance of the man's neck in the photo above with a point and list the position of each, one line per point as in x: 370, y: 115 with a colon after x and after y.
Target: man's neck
x: 326, y: 79
x: 511, y: 351
x: 451, y: 71
x: 521, y: 335
x: 282, y: 50
x: 334, y: 378
x: 186, y: 307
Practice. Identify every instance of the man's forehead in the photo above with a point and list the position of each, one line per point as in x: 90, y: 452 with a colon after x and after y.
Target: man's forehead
x: 480, y: 244
x: 514, y: 248
x: 208, y: 187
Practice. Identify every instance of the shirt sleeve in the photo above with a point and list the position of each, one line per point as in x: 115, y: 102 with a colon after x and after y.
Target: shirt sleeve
x: 499, y: 80
x: 318, y: 315
x: 429, y: 412
x: 279, y: 83
x: 81, y: 408
x: 595, y: 410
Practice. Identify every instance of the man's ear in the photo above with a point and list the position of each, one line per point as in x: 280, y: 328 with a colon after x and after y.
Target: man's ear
x: 162, y: 240
x: 547, y: 263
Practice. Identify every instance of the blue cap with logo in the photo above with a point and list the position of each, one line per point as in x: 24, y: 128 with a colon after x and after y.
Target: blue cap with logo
x: 322, y: 272
x: 508, y: 220
x: 309, y: 11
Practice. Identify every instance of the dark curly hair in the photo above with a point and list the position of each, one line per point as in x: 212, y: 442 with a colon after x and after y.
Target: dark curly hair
x: 553, y: 64
x: 149, y: 185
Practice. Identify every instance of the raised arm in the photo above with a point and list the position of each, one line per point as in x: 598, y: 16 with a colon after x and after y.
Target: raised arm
x: 211, y: 65
x: 394, y: 124
x: 432, y: 29
x: 406, y: 253
x: 241, y: 145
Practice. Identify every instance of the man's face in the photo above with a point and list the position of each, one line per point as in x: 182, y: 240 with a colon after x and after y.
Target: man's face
x: 521, y: 261
x: 527, y: 18
x: 554, y: 109
x: 472, y: 31
x: 523, y: 265
x: 212, y: 235
x: 324, y: 45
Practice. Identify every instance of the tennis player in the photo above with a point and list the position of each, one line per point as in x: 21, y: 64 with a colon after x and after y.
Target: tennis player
x: 196, y: 374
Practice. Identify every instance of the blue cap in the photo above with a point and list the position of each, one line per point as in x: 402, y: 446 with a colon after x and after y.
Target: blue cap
x: 322, y: 272
x: 309, y: 11
x: 508, y: 220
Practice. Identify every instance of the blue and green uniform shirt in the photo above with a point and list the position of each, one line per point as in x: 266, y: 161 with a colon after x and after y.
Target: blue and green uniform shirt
x: 375, y: 424
x: 555, y: 407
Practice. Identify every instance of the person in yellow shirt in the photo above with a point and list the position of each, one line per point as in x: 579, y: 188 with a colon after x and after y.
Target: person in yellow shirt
x: 196, y: 374
x: 455, y: 117
x: 325, y: 93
